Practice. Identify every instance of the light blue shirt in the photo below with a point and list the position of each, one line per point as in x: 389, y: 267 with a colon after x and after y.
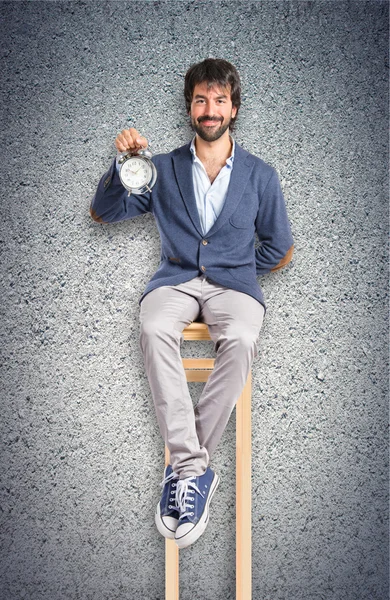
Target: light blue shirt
x: 210, y: 197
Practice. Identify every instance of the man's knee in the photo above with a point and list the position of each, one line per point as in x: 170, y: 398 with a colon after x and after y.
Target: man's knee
x: 155, y: 331
x: 240, y: 335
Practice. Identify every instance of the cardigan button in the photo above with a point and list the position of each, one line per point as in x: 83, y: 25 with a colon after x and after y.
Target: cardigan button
x: 204, y: 242
x: 203, y: 268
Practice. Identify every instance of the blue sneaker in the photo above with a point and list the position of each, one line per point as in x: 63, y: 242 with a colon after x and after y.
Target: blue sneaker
x: 167, y: 513
x: 193, y: 496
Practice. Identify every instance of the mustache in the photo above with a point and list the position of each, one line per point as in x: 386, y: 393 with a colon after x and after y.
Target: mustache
x: 209, y: 118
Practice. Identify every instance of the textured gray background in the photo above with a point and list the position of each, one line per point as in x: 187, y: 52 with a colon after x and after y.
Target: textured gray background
x: 82, y: 456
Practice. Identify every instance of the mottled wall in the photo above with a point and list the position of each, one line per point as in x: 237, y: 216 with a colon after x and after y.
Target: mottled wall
x: 82, y: 456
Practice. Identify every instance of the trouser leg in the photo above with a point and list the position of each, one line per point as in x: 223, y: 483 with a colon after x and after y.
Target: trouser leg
x: 234, y: 320
x: 164, y: 313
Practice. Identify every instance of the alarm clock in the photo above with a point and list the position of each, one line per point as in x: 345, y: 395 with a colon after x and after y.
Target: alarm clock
x: 137, y: 172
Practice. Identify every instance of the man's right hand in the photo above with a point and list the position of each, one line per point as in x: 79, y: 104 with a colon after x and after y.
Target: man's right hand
x: 130, y: 140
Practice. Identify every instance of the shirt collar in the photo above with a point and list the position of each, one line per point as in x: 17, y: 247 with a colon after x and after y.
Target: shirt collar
x: 229, y: 161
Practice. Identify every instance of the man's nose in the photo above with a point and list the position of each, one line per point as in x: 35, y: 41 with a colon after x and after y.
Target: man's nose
x: 210, y: 107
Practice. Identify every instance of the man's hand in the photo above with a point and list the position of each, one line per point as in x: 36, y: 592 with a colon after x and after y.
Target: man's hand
x: 130, y: 139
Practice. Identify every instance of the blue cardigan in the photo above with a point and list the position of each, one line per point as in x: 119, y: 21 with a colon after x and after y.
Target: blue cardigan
x: 226, y: 254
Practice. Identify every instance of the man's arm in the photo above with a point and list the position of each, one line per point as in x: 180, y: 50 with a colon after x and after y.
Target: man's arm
x: 111, y: 201
x: 273, y: 229
x: 285, y: 260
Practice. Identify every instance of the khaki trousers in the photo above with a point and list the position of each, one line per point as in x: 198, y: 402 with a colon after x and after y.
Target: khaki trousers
x: 234, y: 320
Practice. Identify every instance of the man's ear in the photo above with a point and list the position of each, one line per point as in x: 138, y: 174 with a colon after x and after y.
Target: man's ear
x: 234, y: 111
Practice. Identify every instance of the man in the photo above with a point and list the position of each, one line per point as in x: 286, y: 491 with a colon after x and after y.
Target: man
x: 210, y: 199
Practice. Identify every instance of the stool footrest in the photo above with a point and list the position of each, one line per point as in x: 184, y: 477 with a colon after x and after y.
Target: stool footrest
x: 198, y: 363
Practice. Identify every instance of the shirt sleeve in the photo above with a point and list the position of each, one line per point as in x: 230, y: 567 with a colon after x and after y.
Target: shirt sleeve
x: 273, y: 227
x: 112, y: 202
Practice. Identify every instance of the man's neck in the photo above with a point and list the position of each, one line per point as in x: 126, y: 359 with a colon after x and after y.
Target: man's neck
x: 217, y: 151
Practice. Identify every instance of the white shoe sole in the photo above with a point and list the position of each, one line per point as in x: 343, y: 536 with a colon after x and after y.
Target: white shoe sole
x: 162, y: 528
x: 195, y: 533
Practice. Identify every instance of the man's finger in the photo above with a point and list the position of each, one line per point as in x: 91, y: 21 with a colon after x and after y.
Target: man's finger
x: 122, y: 143
x: 141, y: 141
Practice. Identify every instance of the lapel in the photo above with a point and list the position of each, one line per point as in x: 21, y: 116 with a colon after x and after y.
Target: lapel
x: 242, y: 167
x: 182, y: 164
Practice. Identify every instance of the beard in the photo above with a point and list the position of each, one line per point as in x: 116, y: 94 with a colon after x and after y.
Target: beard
x: 210, y: 134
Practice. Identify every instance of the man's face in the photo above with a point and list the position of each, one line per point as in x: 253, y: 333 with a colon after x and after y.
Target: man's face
x: 211, y: 111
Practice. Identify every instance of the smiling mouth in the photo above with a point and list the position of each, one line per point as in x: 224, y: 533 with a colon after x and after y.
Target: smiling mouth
x: 209, y: 122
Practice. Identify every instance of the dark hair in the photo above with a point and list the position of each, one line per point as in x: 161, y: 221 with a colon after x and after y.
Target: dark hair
x: 214, y: 71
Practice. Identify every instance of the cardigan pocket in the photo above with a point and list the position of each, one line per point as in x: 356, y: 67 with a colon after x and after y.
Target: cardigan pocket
x: 244, y: 274
x: 242, y: 220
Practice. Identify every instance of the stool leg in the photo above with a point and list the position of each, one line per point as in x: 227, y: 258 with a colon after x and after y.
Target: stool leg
x: 243, y: 494
x: 171, y: 560
x: 243, y: 505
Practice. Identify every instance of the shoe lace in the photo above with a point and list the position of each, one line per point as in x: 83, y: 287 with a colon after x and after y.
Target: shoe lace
x: 184, y: 493
x: 166, y: 480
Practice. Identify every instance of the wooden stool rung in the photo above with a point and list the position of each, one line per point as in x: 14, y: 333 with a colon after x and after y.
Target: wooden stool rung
x: 198, y: 363
x: 196, y: 331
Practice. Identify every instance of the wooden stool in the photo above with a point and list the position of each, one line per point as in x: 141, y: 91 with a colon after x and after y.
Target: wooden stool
x: 199, y: 369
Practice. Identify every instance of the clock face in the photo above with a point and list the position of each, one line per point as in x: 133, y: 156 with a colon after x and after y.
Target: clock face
x: 136, y: 172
